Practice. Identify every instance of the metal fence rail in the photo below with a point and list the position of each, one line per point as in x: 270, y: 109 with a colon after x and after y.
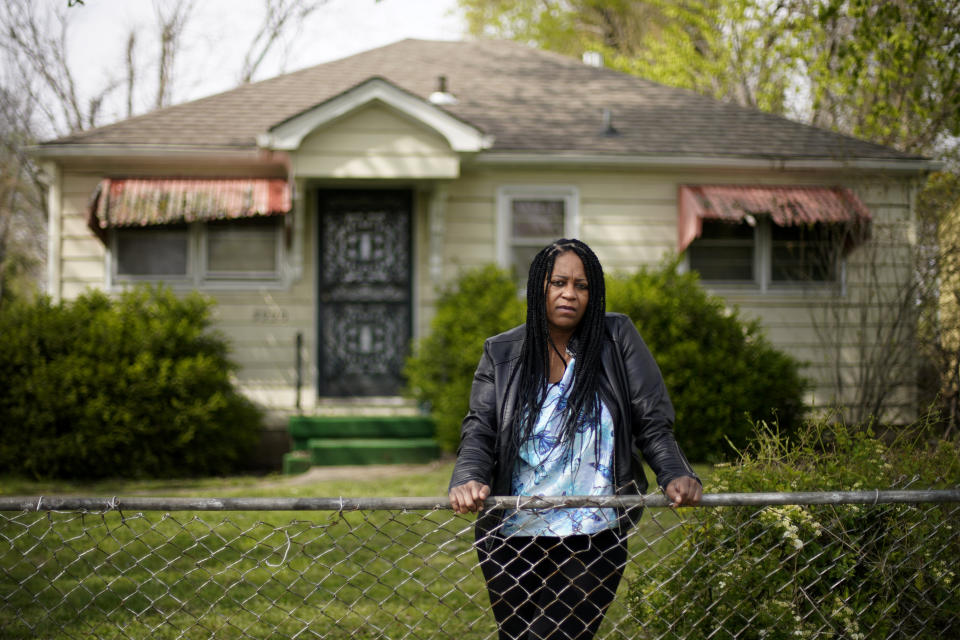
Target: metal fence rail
x: 851, y: 565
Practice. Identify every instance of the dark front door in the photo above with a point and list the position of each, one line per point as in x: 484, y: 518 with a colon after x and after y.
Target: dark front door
x: 364, y: 274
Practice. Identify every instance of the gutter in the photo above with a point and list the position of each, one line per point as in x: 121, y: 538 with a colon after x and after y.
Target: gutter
x: 651, y: 161
x: 150, y: 151
x: 54, y: 232
x: 255, y: 155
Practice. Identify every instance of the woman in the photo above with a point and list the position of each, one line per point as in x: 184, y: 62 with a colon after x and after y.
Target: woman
x: 558, y: 406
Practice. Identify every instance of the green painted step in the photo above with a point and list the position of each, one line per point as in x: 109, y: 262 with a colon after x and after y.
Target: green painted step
x: 346, y: 451
x: 295, y: 462
x: 303, y: 428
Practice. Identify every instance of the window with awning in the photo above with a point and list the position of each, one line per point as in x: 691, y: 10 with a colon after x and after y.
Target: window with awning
x: 769, y: 235
x: 192, y: 230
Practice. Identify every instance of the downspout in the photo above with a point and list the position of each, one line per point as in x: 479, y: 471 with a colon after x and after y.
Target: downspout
x: 54, y: 231
x: 298, y: 364
x: 436, y: 213
x: 295, y: 260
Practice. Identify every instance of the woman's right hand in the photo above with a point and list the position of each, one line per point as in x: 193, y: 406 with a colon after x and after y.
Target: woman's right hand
x: 468, y: 497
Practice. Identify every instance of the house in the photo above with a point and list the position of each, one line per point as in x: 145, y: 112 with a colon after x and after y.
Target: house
x: 324, y: 208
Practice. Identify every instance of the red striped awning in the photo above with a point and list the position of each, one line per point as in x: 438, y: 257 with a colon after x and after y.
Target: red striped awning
x: 140, y: 202
x: 786, y: 206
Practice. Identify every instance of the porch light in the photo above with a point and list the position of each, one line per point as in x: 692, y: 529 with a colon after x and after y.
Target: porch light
x: 441, y: 96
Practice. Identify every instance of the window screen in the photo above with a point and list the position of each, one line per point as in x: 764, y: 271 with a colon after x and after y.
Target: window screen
x: 155, y: 251
x: 534, y: 223
x: 806, y: 253
x: 243, y: 248
x: 724, y: 252
x: 537, y: 219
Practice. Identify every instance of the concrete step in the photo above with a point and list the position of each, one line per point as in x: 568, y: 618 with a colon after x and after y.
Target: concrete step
x: 365, y: 406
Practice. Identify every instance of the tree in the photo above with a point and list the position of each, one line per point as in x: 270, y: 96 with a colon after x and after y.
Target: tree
x: 172, y: 20
x: 738, y: 50
x: 33, y: 40
x: 279, y: 17
x: 888, y: 72
x: 21, y: 196
x: 939, y: 206
x: 40, y: 97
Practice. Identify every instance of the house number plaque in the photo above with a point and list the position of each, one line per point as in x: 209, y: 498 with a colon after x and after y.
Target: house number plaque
x: 268, y: 315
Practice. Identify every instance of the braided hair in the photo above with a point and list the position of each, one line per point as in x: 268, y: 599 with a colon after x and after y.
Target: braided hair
x: 583, y: 404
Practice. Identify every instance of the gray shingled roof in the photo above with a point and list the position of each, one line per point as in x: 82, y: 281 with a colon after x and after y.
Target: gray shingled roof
x: 529, y: 100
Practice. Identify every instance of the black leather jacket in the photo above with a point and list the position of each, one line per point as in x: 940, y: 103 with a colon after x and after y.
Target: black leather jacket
x: 632, y: 388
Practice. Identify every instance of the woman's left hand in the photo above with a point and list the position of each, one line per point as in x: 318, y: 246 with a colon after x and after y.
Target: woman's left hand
x: 684, y: 491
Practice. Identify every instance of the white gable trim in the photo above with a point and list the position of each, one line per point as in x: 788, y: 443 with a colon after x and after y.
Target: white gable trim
x: 461, y: 136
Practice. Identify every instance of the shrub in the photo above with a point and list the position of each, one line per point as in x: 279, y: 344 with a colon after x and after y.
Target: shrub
x: 481, y: 303
x: 848, y: 571
x: 134, y: 386
x: 719, y: 369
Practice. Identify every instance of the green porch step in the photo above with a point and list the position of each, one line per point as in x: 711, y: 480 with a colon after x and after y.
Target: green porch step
x: 339, y: 451
x: 296, y: 462
x: 359, y: 440
x: 303, y: 428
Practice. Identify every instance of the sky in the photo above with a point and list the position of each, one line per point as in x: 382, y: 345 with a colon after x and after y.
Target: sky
x: 220, y: 30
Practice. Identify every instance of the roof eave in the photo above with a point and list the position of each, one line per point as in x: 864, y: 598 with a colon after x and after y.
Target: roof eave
x: 261, y: 156
x: 561, y: 159
x: 72, y: 151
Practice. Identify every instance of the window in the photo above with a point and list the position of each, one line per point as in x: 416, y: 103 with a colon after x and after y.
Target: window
x: 808, y: 253
x: 724, y: 251
x: 152, y: 252
x: 214, y: 253
x: 758, y: 252
x: 245, y: 249
x: 529, y: 218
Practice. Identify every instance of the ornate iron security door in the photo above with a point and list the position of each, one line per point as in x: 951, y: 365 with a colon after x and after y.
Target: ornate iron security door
x: 364, y: 291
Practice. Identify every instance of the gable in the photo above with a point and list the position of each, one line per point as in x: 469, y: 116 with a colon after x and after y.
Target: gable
x: 375, y: 141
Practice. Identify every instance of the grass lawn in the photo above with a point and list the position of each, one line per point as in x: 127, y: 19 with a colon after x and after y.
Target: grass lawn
x: 258, y: 574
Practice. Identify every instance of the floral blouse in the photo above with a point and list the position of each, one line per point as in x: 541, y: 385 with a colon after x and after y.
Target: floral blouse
x: 547, y: 468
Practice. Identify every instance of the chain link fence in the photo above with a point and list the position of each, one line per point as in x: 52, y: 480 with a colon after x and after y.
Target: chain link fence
x: 853, y: 565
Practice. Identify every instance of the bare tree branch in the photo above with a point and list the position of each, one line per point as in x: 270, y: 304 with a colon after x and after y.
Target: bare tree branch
x: 279, y: 15
x: 37, y: 55
x: 131, y: 70
x: 40, y: 97
x: 24, y: 37
x: 171, y: 20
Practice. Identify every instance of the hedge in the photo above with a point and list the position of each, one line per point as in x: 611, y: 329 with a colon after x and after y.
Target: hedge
x: 133, y: 386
